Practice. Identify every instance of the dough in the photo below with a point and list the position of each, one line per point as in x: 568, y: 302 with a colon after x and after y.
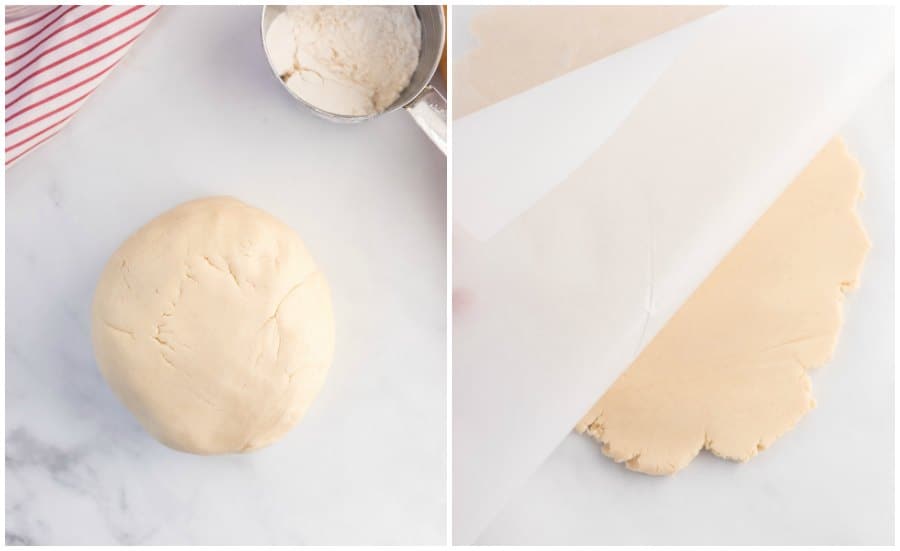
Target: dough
x: 520, y: 47
x: 728, y: 372
x: 213, y: 325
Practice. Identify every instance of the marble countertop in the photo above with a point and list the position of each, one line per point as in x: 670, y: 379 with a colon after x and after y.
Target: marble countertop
x: 193, y: 111
x: 828, y: 481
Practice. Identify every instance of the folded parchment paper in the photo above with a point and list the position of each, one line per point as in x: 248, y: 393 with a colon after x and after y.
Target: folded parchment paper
x: 575, y: 242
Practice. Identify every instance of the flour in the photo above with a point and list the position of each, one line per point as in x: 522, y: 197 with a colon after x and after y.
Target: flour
x: 346, y: 60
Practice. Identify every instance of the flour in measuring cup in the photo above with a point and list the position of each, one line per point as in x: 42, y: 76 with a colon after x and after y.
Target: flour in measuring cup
x: 346, y: 60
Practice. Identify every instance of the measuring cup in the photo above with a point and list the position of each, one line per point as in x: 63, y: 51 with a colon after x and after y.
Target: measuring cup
x: 421, y: 100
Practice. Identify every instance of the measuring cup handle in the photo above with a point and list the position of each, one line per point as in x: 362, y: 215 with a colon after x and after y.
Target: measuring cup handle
x: 429, y: 110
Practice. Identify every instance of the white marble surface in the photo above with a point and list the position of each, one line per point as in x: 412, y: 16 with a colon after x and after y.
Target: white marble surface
x: 829, y: 481
x: 194, y: 111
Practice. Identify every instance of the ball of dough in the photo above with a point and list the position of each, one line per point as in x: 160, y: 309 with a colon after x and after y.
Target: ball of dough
x: 214, y: 326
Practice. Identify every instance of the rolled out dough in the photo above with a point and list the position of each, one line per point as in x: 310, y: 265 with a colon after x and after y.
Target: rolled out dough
x: 728, y: 372
x: 520, y: 47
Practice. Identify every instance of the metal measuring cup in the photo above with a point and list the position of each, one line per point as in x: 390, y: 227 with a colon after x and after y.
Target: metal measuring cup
x: 421, y: 100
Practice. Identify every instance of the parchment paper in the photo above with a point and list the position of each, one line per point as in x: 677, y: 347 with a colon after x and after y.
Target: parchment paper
x: 564, y: 290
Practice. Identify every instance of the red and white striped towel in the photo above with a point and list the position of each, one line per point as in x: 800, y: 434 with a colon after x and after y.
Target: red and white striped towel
x: 55, y: 59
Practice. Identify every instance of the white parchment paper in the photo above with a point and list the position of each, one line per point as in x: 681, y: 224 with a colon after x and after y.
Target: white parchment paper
x: 564, y: 290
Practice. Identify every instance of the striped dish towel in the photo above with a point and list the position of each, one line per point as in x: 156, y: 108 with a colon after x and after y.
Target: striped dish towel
x: 55, y: 59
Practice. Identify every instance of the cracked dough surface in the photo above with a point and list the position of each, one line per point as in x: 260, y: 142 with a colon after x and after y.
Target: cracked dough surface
x: 728, y: 372
x: 214, y: 326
